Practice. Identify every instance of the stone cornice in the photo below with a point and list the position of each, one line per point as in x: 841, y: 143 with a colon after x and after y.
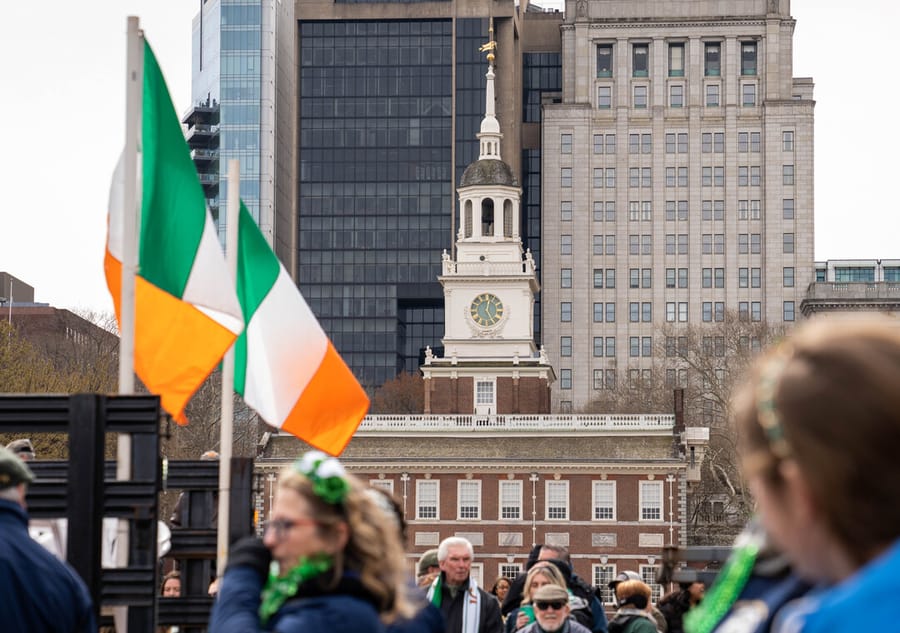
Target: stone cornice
x: 638, y: 23
x: 545, y: 468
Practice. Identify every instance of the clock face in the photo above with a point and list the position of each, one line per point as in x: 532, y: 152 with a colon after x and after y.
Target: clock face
x: 486, y: 309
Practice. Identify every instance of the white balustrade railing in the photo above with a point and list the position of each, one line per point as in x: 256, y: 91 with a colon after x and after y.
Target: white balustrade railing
x: 524, y: 423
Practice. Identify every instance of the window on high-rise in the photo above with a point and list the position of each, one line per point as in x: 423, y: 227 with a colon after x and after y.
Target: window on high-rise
x: 788, y: 277
x: 640, y: 97
x: 748, y: 92
x: 565, y: 244
x: 676, y: 96
x: 565, y: 177
x: 787, y: 140
x: 787, y: 243
x: 844, y: 274
x: 565, y: 211
x: 640, y: 60
x: 748, y: 58
x: 565, y: 378
x: 676, y: 60
x: 712, y: 59
x: 788, y: 310
x: 565, y: 278
x: 787, y: 174
x: 604, y: 60
x: 565, y: 143
x: 712, y: 95
x: 565, y: 312
x: 604, y: 97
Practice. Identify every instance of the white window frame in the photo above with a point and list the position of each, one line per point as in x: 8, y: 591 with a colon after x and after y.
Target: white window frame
x: 596, y: 492
x: 648, y: 575
x: 644, y: 503
x: 556, y: 484
x: 516, y: 487
x: 510, y: 571
x: 482, y: 405
x: 384, y: 484
x: 423, y: 483
x: 602, y: 580
x: 468, y: 483
x: 477, y: 572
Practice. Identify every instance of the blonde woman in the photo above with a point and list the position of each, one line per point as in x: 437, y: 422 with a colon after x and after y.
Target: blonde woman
x: 541, y: 574
x: 330, y: 560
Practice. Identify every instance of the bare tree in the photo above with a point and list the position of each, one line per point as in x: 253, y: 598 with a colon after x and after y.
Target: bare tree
x: 403, y: 394
x: 707, y: 361
x: 203, y: 431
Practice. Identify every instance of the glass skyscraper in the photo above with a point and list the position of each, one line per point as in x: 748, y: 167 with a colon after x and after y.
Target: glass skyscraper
x: 228, y: 103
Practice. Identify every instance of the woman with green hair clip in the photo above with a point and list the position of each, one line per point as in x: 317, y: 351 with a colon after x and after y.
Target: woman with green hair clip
x: 330, y: 560
x: 819, y: 423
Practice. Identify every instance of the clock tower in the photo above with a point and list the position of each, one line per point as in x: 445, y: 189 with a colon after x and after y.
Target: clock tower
x: 491, y: 364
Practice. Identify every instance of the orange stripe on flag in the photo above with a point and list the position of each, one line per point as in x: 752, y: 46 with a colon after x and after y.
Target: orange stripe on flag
x: 330, y: 408
x: 172, y: 360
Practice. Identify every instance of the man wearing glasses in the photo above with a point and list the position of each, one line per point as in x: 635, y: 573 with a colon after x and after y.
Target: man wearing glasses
x: 551, y: 612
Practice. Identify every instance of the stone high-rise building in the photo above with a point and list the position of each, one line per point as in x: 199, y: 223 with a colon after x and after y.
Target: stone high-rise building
x: 677, y: 181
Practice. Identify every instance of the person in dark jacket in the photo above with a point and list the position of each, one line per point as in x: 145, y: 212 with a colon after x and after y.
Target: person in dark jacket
x: 552, y: 612
x: 330, y: 560
x: 38, y: 593
x: 633, y: 615
x: 677, y: 603
x: 594, y: 617
x: 466, y: 607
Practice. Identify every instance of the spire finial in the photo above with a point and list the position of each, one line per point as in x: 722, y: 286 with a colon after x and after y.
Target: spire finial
x: 491, y: 45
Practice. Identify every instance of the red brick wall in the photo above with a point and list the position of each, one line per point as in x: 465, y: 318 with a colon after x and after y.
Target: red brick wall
x: 451, y: 395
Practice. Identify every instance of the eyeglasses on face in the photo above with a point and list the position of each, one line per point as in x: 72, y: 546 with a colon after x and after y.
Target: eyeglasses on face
x: 556, y: 605
x: 282, y: 526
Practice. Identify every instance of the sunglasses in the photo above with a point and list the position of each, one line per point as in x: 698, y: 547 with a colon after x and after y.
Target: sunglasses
x: 556, y: 605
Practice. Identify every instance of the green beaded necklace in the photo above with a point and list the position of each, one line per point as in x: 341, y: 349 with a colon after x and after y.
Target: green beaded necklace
x: 725, y: 591
x: 279, y: 588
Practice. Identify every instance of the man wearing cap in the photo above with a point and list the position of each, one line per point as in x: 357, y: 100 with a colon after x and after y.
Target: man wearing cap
x: 38, y: 593
x: 22, y: 448
x: 552, y: 611
x: 427, y: 568
x: 466, y: 607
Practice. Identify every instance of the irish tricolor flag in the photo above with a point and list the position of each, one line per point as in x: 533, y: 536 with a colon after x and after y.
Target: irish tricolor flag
x: 285, y: 367
x: 186, y: 309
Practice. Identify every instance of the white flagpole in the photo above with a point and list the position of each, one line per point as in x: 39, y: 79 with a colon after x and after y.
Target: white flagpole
x: 227, y: 427
x: 134, y: 83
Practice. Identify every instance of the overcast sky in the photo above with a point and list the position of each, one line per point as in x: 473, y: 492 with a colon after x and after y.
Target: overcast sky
x: 62, y: 125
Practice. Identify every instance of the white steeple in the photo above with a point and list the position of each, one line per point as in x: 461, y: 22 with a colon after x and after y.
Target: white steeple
x: 490, y: 135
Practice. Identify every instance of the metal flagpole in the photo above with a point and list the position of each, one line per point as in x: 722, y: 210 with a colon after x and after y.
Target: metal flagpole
x: 134, y: 82
x: 227, y: 426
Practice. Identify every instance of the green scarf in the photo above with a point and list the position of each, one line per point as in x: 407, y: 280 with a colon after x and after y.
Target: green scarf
x: 707, y: 615
x: 279, y: 588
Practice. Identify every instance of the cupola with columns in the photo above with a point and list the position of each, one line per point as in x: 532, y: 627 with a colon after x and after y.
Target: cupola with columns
x: 491, y: 364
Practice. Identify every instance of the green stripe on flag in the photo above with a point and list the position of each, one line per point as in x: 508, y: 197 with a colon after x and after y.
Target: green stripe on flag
x: 257, y: 271
x: 173, y: 207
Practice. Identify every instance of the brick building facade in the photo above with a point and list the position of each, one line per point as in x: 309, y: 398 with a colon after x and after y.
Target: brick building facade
x: 612, y: 489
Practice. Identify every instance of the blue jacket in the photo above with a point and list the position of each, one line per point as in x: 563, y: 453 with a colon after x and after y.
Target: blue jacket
x: 867, y: 601
x: 237, y: 610
x: 38, y: 593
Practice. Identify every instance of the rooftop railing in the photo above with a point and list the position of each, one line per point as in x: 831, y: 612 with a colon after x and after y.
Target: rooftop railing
x: 519, y: 423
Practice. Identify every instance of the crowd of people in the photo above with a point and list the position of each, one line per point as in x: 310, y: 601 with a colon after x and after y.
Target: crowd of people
x: 819, y: 425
